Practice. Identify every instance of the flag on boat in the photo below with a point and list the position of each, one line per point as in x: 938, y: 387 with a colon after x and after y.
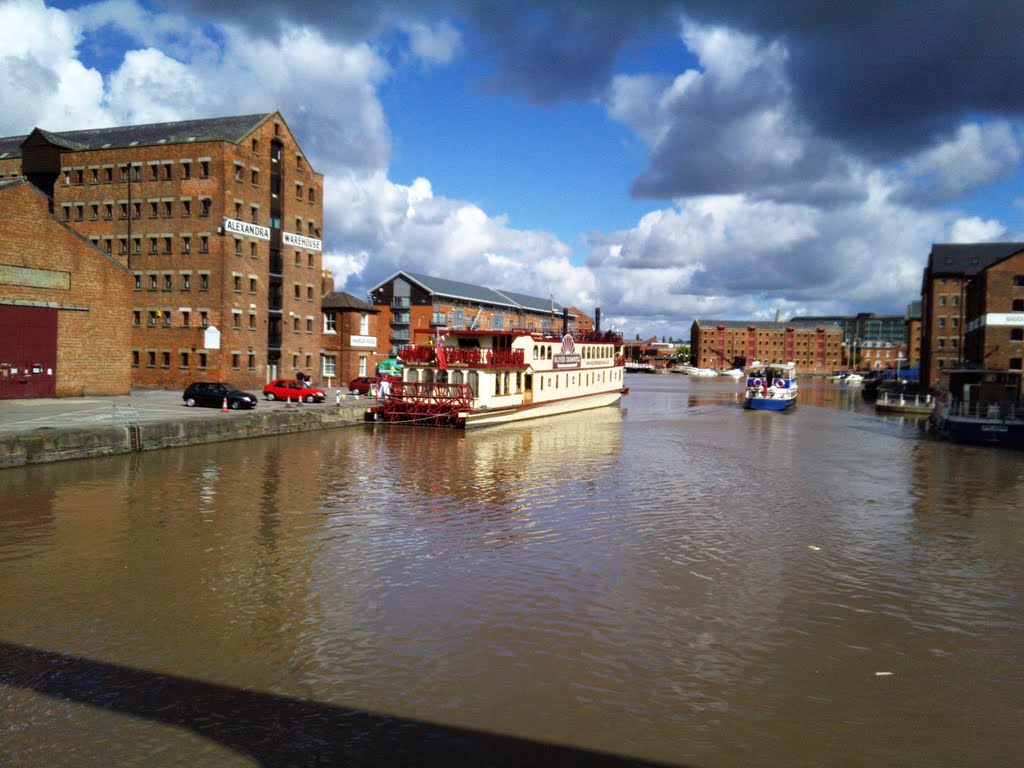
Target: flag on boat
x: 439, y: 353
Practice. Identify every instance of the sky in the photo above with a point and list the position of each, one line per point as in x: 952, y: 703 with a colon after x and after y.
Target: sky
x: 661, y: 160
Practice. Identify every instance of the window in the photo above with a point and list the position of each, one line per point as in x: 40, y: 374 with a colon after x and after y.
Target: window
x: 298, y: 259
x: 184, y: 359
x: 942, y: 322
x: 1018, y: 305
x: 186, y: 318
x: 152, y: 245
x: 252, y: 360
x: 298, y: 190
x: 154, y: 209
x: 186, y: 244
x: 108, y: 175
x: 942, y: 343
x: 204, y: 281
x: 1014, y: 364
x: 295, y: 324
x: 186, y: 282
x: 204, y: 170
x: 67, y: 212
x: 255, y: 214
x: 1018, y: 280
x: 329, y: 366
x: 108, y: 211
x: 238, y: 247
x: 236, y: 319
x: 186, y: 169
x: 1017, y: 334
x: 312, y: 195
x: 252, y: 285
x: 298, y: 162
x: 136, y: 318
x: 167, y: 318
x: 252, y: 321
x: 309, y: 260
x: 204, y: 320
x: 167, y: 171
x: 186, y: 208
x: 138, y: 282
x: 252, y: 250
x: 79, y: 212
x: 168, y: 208
x: 204, y: 243
x: 239, y: 170
x: 207, y: 204
x: 255, y: 146
x: 255, y: 177
x: 330, y: 325
x: 94, y: 211
x: 94, y: 174
x: 78, y: 176
x: 154, y: 172
x: 167, y: 245
x: 942, y: 301
x: 309, y: 325
x: 152, y: 317
x: 152, y: 282
x: 151, y: 359
x: 135, y: 358
x: 298, y: 291
x: 238, y: 283
x: 238, y: 209
x: 167, y: 282
x: 309, y: 292
x: 202, y: 359
x: 234, y: 360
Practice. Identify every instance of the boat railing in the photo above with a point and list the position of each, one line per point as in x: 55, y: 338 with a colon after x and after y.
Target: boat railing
x: 899, y: 398
x: 473, y: 357
x: 1002, y: 411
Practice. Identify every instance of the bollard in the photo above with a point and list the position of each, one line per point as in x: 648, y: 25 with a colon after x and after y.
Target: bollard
x: 337, y: 398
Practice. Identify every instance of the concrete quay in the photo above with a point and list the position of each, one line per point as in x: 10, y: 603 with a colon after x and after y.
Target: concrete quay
x: 58, y: 429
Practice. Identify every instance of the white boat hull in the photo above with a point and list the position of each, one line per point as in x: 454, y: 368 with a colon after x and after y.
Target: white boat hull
x: 488, y: 417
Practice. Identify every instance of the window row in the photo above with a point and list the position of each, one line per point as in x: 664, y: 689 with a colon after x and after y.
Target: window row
x: 155, y: 244
x: 155, y: 209
x: 162, y: 318
x: 159, y: 170
x: 309, y: 292
x: 186, y: 359
x: 157, y: 281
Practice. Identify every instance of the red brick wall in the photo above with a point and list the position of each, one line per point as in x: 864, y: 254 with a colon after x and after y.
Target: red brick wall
x: 93, y: 326
x: 714, y: 348
x: 993, y: 291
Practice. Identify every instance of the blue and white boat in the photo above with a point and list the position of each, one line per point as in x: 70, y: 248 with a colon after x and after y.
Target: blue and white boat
x: 771, y: 388
x: 983, y: 407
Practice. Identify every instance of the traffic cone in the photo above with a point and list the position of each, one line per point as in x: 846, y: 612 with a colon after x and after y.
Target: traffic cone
x: 289, y: 403
x: 224, y: 407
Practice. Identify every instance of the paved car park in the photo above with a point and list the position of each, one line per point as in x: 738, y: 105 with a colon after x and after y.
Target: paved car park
x: 141, y: 406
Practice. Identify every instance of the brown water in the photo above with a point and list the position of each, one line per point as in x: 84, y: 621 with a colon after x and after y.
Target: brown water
x: 675, y: 580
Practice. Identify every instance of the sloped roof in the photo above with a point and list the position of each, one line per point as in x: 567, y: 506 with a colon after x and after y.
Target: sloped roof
x: 968, y: 258
x: 480, y: 294
x: 232, y: 129
x: 342, y: 300
x: 799, y: 324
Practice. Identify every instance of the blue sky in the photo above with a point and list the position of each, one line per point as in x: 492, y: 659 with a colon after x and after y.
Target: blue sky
x: 663, y: 160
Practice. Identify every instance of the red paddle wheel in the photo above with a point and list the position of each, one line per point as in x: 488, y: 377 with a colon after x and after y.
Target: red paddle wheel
x: 425, y: 403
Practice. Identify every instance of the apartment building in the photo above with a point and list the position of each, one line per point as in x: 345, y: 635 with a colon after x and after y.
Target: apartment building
x: 412, y: 306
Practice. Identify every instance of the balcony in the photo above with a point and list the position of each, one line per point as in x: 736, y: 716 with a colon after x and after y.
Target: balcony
x: 400, y: 302
x: 274, y: 340
x: 399, y: 337
x: 276, y: 264
x: 400, y: 318
x: 439, y: 318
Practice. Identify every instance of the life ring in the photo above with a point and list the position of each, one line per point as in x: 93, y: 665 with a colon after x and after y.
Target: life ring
x: 757, y: 383
x: 780, y: 383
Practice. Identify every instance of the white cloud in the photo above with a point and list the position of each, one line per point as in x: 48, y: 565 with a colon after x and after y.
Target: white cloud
x: 976, y: 230
x: 41, y: 81
x: 977, y: 155
x: 436, y: 44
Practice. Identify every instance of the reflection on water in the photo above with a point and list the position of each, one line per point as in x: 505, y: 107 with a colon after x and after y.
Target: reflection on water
x: 675, y: 579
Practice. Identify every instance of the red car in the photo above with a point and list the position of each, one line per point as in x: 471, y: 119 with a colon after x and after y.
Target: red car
x: 361, y: 385
x: 283, y: 389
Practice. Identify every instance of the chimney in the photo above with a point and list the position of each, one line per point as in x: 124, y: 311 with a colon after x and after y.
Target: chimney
x: 778, y: 315
x: 597, y: 319
x: 565, y: 320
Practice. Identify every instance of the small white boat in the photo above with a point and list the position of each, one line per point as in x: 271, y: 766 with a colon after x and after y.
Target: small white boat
x: 733, y: 373
x: 852, y: 380
x: 771, y: 388
x: 703, y: 372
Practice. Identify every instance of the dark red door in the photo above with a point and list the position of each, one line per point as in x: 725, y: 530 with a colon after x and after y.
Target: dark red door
x: 28, y: 352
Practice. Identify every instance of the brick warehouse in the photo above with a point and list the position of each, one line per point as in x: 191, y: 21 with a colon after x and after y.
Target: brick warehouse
x: 350, y: 336
x: 64, y: 305
x: 950, y: 271
x: 994, y: 316
x: 814, y: 347
x: 219, y: 221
